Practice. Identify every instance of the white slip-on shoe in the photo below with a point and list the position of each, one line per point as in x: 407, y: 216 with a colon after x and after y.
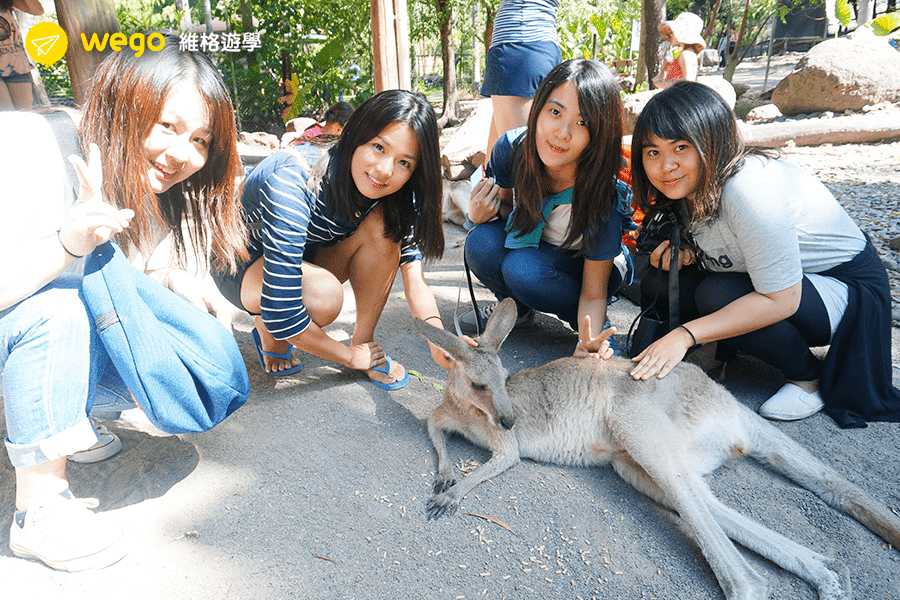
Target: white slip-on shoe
x: 791, y: 403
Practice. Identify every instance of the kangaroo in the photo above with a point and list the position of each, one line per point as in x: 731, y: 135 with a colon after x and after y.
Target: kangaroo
x: 661, y: 436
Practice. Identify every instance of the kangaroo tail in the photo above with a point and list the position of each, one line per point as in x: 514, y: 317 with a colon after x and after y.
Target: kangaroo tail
x: 784, y: 455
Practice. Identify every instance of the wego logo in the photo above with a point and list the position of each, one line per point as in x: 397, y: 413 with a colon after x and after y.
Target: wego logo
x: 137, y: 42
x: 46, y: 42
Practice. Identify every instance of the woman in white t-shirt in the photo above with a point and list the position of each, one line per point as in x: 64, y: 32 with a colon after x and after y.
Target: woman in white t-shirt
x: 772, y: 264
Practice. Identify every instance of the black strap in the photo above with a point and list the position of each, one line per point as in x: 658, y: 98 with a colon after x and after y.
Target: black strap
x: 675, y: 245
x: 69, y: 141
x: 472, y: 294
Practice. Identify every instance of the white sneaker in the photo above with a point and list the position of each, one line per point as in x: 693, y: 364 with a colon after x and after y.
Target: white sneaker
x: 66, y: 536
x: 791, y: 403
x: 108, y: 445
x: 468, y: 325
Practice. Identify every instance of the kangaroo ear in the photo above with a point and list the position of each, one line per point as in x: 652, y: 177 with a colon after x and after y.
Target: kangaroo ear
x: 443, y: 339
x: 499, y: 325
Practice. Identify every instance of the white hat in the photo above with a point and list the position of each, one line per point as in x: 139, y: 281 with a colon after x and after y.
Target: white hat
x: 686, y: 29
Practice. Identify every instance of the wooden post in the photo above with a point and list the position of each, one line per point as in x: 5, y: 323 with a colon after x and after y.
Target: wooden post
x: 77, y: 17
x: 401, y: 34
x: 384, y: 46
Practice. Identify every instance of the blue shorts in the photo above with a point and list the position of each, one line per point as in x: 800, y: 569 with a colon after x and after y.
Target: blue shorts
x: 516, y: 69
x: 229, y: 284
x: 17, y: 78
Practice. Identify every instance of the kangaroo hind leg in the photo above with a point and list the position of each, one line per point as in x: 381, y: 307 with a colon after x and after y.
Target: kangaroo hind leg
x: 662, y: 456
x: 812, y: 567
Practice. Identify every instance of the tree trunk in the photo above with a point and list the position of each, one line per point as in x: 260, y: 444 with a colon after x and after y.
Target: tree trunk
x: 451, y: 112
x: 864, y: 15
x: 207, y: 13
x: 185, y: 8
x: 489, y: 13
x: 653, y: 13
x: 247, y: 27
x: 731, y: 60
x: 77, y: 17
x: 712, y: 20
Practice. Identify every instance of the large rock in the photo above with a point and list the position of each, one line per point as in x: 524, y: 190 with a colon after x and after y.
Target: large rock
x: 840, y: 74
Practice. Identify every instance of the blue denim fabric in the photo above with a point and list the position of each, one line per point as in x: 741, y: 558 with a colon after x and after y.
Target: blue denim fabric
x: 51, y: 362
x: 545, y: 278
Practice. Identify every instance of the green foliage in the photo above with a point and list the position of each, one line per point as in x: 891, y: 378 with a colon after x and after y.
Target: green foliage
x: 886, y: 24
x: 328, y: 45
x: 843, y: 12
x: 579, y: 22
x: 143, y: 15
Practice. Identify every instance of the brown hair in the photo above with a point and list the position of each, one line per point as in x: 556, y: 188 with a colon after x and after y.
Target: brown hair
x: 126, y: 101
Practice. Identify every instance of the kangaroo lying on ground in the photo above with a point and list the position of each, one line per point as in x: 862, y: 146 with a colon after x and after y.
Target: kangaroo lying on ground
x: 661, y: 436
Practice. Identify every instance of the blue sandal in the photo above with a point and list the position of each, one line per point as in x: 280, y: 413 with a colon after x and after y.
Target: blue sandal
x: 387, y: 371
x: 286, y: 356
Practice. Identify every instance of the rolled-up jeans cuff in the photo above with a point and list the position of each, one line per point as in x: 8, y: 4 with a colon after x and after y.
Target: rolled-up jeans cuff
x: 64, y: 443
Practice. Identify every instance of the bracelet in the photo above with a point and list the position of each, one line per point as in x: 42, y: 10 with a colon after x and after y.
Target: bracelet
x: 434, y: 317
x: 689, y: 333
x: 58, y: 231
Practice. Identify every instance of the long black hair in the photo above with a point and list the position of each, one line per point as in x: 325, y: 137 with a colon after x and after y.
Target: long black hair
x: 415, y: 208
x: 697, y: 114
x: 600, y: 103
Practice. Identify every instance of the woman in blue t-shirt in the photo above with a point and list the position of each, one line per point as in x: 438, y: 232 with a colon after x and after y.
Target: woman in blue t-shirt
x: 560, y: 250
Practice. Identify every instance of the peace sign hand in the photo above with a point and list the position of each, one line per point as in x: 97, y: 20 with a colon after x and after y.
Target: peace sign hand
x: 91, y: 221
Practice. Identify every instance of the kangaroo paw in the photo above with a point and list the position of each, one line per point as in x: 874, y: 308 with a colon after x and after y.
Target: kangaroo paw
x: 442, y: 483
x: 440, y: 505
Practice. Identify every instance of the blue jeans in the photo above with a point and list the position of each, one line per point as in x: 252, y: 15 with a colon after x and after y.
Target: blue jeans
x: 545, y: 278
x: 54, y: 370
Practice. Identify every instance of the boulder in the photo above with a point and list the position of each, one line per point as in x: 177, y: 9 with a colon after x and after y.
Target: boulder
x: 766, y: 112
x: 299, y: 124
x: 841, y: 74
x: 721, y: 85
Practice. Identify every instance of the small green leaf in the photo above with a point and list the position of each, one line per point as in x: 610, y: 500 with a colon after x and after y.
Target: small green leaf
x: 438, y: 387
x: 885, y: 24
x: 843, y: 12
x: 416, y: 374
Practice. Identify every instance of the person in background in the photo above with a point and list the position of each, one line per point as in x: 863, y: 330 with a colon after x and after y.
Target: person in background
x: 15, y: 70
x: 684, y: 33
x: 333, y: 122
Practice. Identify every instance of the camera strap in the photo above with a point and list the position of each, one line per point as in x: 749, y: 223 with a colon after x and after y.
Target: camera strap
x: 675, y: 246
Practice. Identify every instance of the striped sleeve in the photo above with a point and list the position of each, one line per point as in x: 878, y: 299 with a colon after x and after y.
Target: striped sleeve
x: 286, y: 205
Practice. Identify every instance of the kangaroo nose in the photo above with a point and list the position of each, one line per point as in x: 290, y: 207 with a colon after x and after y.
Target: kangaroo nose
x: 507, y: 422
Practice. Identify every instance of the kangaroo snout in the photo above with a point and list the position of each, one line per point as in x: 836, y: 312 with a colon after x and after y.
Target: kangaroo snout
x: 507, y: 422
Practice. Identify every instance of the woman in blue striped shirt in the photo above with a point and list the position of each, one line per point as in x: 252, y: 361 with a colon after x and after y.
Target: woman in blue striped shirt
x: 372, y: 206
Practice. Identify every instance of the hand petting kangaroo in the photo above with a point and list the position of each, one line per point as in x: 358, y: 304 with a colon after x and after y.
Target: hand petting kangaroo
x: 661, y: 436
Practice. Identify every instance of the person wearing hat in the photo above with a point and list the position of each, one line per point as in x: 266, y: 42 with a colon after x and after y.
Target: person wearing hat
x: 684, y: 33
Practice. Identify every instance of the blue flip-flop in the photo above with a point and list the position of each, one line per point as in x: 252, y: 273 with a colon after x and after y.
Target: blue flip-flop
x: 286, y: 356
x: 387, y: 371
